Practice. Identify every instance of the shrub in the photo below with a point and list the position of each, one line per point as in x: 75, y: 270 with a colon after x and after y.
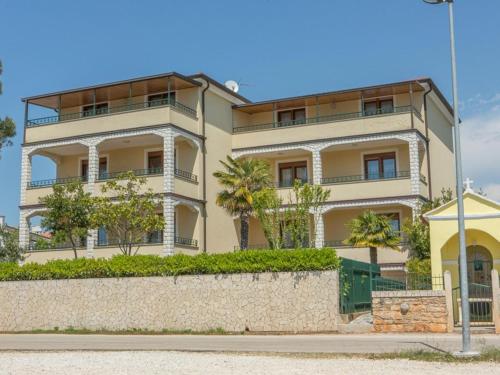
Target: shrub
x: 251, y: 261
x: 419, y: 266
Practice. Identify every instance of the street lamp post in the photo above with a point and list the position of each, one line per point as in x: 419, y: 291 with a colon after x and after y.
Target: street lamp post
x: 464, y: 287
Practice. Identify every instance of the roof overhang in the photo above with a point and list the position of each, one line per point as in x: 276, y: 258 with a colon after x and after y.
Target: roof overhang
x: 333, y: 96
x: 113, y: 90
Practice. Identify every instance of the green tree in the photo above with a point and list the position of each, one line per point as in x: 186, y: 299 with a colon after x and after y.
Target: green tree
x: 240, y: 180
x: 417, y: 230
x: 68, y: 213
x: 7, y: 126
x: 268, y: 209
x: 304, y: 200
x: 130, y: 215
x: 9, y: 245
x: 372, y: 231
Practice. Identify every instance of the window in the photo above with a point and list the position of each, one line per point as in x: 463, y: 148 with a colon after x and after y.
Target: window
x: 88, y: 110
x: 289, y: 172
x: 84, y: 168
x: 378, y: 106
x: 292, y: 117
x: 161, y: 99
x: 155, y: 162
x: 287, y: 237
x: 157, y: 235
x: 379, y: 166
x: 393, y: 221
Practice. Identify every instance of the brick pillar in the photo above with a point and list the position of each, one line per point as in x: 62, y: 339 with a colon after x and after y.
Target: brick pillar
x: 24, y: 229
x: 495, y: 288
x: 168, y: 161
x: 169, y: 230
x: 319, y: 240
x: 317, y: 167
x: 414, y: 165
x: 25, y: 173
x: 91, y: 179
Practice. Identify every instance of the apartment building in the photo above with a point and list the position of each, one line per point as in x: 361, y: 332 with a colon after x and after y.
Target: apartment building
x: 386, y: 148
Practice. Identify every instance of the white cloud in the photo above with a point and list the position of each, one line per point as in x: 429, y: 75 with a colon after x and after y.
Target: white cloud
x: 480, y: 137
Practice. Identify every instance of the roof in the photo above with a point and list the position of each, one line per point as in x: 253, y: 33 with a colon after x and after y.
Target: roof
x: 482, y: 207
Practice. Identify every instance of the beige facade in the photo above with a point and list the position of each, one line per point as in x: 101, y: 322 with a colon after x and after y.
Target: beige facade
x: 386, y: 148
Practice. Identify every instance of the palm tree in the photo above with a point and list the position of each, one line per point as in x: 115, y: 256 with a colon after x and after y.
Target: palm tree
x: 240, y: 179
x: 373, y: 231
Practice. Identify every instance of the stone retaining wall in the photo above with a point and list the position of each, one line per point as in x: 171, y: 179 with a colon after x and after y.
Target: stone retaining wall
x: 410, y: 311
x: 287, y: 302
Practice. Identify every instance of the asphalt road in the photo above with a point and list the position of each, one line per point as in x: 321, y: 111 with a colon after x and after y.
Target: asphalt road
x: 366, y: 343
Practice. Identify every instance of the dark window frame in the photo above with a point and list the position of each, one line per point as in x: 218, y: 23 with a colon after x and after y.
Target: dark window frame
x: 378, y: 104
x: 294, y: 165
x: 100, y: 109
x: 293, y: 113
x: 380, y: 157
x: 161, y: 98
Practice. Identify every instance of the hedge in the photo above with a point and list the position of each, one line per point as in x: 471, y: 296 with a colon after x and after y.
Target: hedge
x: 250, y: 261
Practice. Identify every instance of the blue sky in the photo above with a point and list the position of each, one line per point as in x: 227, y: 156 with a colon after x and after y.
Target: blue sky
x: 279, y: 48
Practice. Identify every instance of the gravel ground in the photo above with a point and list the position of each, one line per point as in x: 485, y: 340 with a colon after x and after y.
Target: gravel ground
x: 117, y: 363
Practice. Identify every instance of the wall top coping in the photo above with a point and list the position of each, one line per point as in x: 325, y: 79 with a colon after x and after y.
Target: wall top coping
x: 409, y: 293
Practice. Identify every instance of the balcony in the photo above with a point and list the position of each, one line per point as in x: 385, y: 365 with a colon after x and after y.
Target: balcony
x: 367, y: 187
x: 330, y: 126
x: 113, y: 118
x: 42, y: 121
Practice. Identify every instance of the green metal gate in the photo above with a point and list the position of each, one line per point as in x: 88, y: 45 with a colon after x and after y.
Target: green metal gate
x: 480, y: 305
x: 356, y: 285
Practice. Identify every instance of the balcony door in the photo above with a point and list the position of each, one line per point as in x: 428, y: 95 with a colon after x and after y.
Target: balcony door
x: 292, y: 117
x: 84, y: 168
x: 378, y: 106
x: 161, y: 99
x: 289, y: 172
x: 380, y: 166
x: 155, y: 162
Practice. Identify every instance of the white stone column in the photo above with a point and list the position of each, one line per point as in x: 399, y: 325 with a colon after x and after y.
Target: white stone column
x: 168, y: 161
x: 24, y: 229
x: 25, y: 173
x: 414, y: 165
x: 91, y: 179
x: 319, y: 240
x: 317, y: 167
x: 169, y: 230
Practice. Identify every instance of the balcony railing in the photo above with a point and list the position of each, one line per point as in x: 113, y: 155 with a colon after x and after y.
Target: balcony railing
x: 54, y: 181
x: 365, y: 177
x: 136, y: 172
x: 153, y: 239
x: 49, y: 245
x: 111, y: 110
x: 184, y: 241
x: 329, y: 118
x: 186, y: 175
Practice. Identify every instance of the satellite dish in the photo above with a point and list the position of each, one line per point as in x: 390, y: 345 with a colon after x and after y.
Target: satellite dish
x: 232, y: 85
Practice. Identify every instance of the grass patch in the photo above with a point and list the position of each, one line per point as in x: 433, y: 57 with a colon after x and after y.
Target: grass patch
x: 250, y: 261
x: 487, y: 354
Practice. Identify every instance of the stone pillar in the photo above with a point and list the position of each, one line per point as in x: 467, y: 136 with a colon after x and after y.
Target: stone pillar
x: 448, y: 290
x: 91, y: 179
x: 319, y: 240
x: 169, y: 230
x: 168, y: 161
x: 24, y: 230
x: 25, y: 173
x: 317, y: 167
x: 414, y: 165
x: 495, y: 289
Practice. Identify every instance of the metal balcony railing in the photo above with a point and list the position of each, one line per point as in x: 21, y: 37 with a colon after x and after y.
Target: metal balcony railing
x: 365, y: 177
x: 54, y: 181
x: 186, y: 241
x: 136, y: 172
x: 186, y: 175
x: 111, y: 110
x: 329, y: 118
